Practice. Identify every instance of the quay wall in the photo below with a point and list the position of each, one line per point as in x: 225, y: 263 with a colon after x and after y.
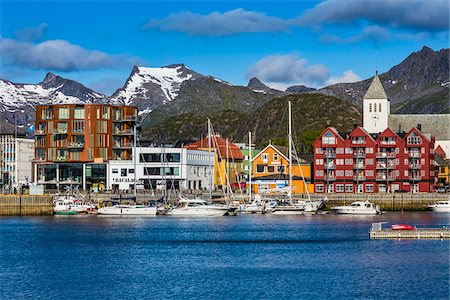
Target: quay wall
x: 21, y: 205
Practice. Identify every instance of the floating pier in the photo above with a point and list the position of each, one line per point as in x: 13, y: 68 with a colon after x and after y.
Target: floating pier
x: 378, y: 232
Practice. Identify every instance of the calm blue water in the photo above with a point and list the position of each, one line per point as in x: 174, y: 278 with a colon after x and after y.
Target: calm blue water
x: 247, y: 256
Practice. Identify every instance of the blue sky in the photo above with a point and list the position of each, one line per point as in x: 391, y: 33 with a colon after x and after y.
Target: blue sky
x: 283, y: 43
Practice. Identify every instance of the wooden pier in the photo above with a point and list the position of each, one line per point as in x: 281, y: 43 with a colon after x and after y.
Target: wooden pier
x: 419, y: 233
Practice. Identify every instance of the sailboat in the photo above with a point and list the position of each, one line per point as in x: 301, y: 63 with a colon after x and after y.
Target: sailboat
x: 124, y: 209
x: 300, y: 206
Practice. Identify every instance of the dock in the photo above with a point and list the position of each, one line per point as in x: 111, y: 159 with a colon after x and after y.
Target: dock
x: 377, y: 232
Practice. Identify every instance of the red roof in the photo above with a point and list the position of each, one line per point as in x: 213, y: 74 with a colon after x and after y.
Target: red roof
x: 439, y: 151
x: 218, y: 143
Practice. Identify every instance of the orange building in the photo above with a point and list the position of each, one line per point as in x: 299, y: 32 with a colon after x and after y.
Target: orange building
x: 74, y: 141
x: 271, y: 172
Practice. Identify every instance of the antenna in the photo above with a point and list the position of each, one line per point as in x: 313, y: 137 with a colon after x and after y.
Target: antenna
x: 376, y: 67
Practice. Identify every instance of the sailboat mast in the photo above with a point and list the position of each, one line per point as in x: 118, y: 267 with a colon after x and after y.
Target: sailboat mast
x: 227, y: 175
x: 250, y: 167
x: 134, y: 159
x: 210, y: 161
x: 290, y: 152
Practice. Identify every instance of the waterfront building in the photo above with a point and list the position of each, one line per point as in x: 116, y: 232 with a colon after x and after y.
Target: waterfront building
x: 75, y: 142
x: 369, y: 163
x: 377, y: 117
x: 246, y: 163
x: 162, y: 169
x: 228, y: 160
x: 16, y: 154
x: 442, y: 170
x: 271, y: 172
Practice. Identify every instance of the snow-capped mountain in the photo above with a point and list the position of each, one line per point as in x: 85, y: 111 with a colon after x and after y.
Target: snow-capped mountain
x: 148, y: 88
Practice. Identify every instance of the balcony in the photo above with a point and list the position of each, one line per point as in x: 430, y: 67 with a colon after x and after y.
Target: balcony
x: 381, y: 166
x: 385, y: 154
x: 359, y: 154
x: 329, y: 154
x: 359, y: 178
x: 123, y: 132
x: 329, y: 177
x: 415, y: 178
x: 39, y: 132
x: 415, y: 166
x: 358, y: 142
x: 385, y: 177
x: 61, y: 158
x: 130, y: 118
x: 358, y: 166
x: 330, y: 166
x: 77, y: 132
x: 122, y: 146
x: 61, y: 131
x: 75, y: 145
x: 38, y: 159
x: 414, y: 154
x: 388, y: 143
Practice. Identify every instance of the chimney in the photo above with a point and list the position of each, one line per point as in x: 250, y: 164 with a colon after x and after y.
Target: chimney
x: 328, y: 122
x: 419, y: 127
x: 355, y: 125
x: 399, y: 128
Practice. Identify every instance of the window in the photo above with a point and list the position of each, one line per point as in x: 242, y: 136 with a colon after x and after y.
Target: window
x: 405, y: 173
x: 319, y: 151
x: 265, y: 157
x: 349, y: 188
x: 370, y: 107
x: 78, y: 113
x: 260, y: 168
x: 115, y: 171
x: 281, y: 169
x: 275, y: 156
x: 123, y: 172
x: 359, y: 188
x: 414, y: 139
x: 374, y: 107
x: 78, y: 126
x: 319, y: 188
x: 131, y: 171
x: 339, y: 188
x: 369, y: 188
x: 270, y: 169
x: 63, y: 113
x: 328, y: 138
x: 379, y: 107
x: 319, y: 173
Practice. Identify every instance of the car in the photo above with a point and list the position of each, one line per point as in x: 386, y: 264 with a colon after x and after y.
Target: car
x: 402, y: 227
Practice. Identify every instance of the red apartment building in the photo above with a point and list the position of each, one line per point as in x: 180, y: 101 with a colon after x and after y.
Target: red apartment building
x: 369, y: 163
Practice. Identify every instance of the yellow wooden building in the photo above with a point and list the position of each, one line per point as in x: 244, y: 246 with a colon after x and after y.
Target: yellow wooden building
x: 270, y: 172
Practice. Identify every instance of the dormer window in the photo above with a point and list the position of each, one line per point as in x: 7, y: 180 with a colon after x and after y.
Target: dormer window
x: 414, y: 139
x: 328, y: 138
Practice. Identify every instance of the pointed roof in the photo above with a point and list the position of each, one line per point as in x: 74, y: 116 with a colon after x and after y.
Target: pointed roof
x: 376, y: 90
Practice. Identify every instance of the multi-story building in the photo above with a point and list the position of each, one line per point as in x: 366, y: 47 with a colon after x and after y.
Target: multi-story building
x: 270, y: 172
x: 385, y: 162
x: 162, y: 168
x: 227, y: 161
x: 16, y: 154
x: 75, y: 141
x: 247, y: 162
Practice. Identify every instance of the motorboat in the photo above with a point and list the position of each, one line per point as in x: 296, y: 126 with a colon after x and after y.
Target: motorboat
x: 70, y: 205
x: 313, y: 206
x: 286, y: 208
x: 358, y: 208
x: 258, y: 205
x: 197, y: 207
x: 441, y: 206
x: 128, y: 210
x: 63, y: 207
x: 402, y: 227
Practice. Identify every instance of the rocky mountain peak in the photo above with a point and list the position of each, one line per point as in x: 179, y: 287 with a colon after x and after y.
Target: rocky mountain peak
x: 256, y: 84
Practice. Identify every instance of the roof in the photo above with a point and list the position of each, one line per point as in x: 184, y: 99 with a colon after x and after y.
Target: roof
x: 219, y: 143
x: 375, y: 90
x: 440, y: 161
x: 437, y: 125
x: 440, y: 151
x: 278, y: 176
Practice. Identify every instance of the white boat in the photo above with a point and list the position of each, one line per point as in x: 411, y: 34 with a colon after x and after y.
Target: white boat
x: 128, y: 210
x: 258, y: 205
x: 294, y: 209
x: 441, y: 206
x: 70, y: 204
x: 197, y: 207
x: 358, y: 208
x: 312, y: 206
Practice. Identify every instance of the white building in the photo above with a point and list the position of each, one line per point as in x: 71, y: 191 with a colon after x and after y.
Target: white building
x: 377, y: 117
x: 16, y: 155
x: 159, y: 168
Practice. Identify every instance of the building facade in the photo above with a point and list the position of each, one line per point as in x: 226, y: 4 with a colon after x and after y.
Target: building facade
x: 162, y: 169
x: 271, y: 173
x: 370, y: 163
x: 247, y: 162
x: 75, y: 141
x: 16, y: 155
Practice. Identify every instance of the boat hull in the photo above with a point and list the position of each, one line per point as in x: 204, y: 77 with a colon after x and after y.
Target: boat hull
x: 288, y: 210
x: 351, y: 211
x: 127, y: 211
x: 63, y: 212
x: 442, y: 209
x: 198, y: 212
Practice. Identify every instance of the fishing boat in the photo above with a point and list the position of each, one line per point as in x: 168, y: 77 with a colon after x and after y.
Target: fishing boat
x: 63, y: 207
x: 441, y: 206
x: 197, y: 207
x: 71, y: 203
x: 358, y: 208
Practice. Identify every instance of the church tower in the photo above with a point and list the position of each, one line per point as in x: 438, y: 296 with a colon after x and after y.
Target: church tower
x: 376, y: 107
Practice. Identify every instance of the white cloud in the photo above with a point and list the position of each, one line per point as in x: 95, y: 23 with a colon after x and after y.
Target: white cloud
x: 57, y: 55
x: 219, y: 24
x: 281, y: 71
x: 31, y: 33
x: 346, y: 77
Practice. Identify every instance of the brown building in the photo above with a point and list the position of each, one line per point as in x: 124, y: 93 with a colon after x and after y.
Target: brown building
x: 75, y: 141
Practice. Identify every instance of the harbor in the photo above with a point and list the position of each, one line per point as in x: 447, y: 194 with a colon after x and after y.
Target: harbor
x: 377, y: 232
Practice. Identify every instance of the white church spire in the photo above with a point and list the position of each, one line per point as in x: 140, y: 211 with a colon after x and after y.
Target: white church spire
x: 376, y: 107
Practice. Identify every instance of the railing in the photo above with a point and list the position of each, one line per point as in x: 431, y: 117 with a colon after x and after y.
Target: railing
x: 61, y: 158
x: 61, y: 131
x: 414, y: 154
x: 329, y: 177
x: 329, y: 154
x: 358, y: 178
x: 129, y: 118
x: 76, y: 145
x: 359, y: 154
x: 78, y: 132
x: 358, y: 166
x: 385, y: 177
x: 391, y: 143
x: 123, y: 132
x: 415, y: 178
x: 358, y: 142
x: 415, y: 166
x: 330, y: 166
x: 385, y: 154
x: 124, y: 145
